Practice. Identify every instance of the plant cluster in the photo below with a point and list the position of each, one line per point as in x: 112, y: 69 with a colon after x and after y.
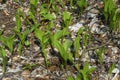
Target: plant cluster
x: 111, y: 14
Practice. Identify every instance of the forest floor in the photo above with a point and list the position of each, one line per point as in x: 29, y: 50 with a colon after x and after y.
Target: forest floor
x: 30, y: 64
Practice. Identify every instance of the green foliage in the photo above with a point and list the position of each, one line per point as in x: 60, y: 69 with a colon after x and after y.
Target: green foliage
x: 64, y: 51
x: 111, y: 68
x: 70, y: 78
x: 83, y: 74
x: 18, y: 21
x: 99, y: 53
x: 45, y: 14
x: 111, y: 14
x: 43, y: 39
x: 59, y: 35
x: 66, y: 17
x: 32, y: 18
x: 77, y: 43
x: 29, y: 66
x: 33, y: 6
x: 23, y: 35
x: 8, y: 42
x: 71, y: 3
x: 57, y: 39
x: 81, y: 5
x: 86, y: 39
x: 4, y: 59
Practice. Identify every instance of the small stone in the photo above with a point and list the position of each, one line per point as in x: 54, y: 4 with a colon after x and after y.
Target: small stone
x: 16, y: 59
x: 25, y: 74
x: 115, y: 70
x: 54, y: 15
x: 76, y: 27
x: 3, y: 26
x: 36, y: 48
x: 6, y: 79
x: 94, y: 11
x: 52, y: 68
x: 115, y: 50
x: 2, y: 6
x: 14, y: 19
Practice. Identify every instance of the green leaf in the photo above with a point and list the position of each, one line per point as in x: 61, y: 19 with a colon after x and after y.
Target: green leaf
x: 8, y: 42
x: 22, y: 36
x: 85, y: 72
x: 32, y: 16
x: 43, y: 10
x: 70, y: 78
x: 111, y: 68
x: 20, y: 48
x: 39, y: 34
x: 34, y: 2
x: 60, y: 33
x: 60, y: 48
x: 18, y: 20
x: 48, y: 16
x: 77, y: 44
x: 99, y: 54
x: 67, y: 44
x: 66, y: 16
x: 82, y: 3
x: 4, y: 59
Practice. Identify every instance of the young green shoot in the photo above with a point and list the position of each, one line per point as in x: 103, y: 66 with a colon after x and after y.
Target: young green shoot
x: 84, y: 74
x: 4, y: 59
x: 8, y: 42
x: 33, y: 6
x: 77, y: 43
x: 43, y: 39
x: 66, y: 17
x: 81, y: 5
x: 45, y: 14
x: 64, y: 52
x: 111, y: 14
x: 18, y: 21
x: 99, y: 53
x: 111, y: 68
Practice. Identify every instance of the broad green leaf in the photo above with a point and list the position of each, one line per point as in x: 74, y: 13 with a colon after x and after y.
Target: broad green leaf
x: 32, y: 16
x: 59, y: 46
x: 111, y: 68
x: 67, y: 44
x: 48, y: 17
x: 34, y: 2
x: 66, y: 16
x: 80, y: 31
x: 70, y: 57
x: 43, y: 10
x: 60, y: 33
x: 39, y: 34
x: 70, y: 78
x: 22, y: 36
x: 66, y: 19
x: 8, y: 41
x: 82, y: 3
